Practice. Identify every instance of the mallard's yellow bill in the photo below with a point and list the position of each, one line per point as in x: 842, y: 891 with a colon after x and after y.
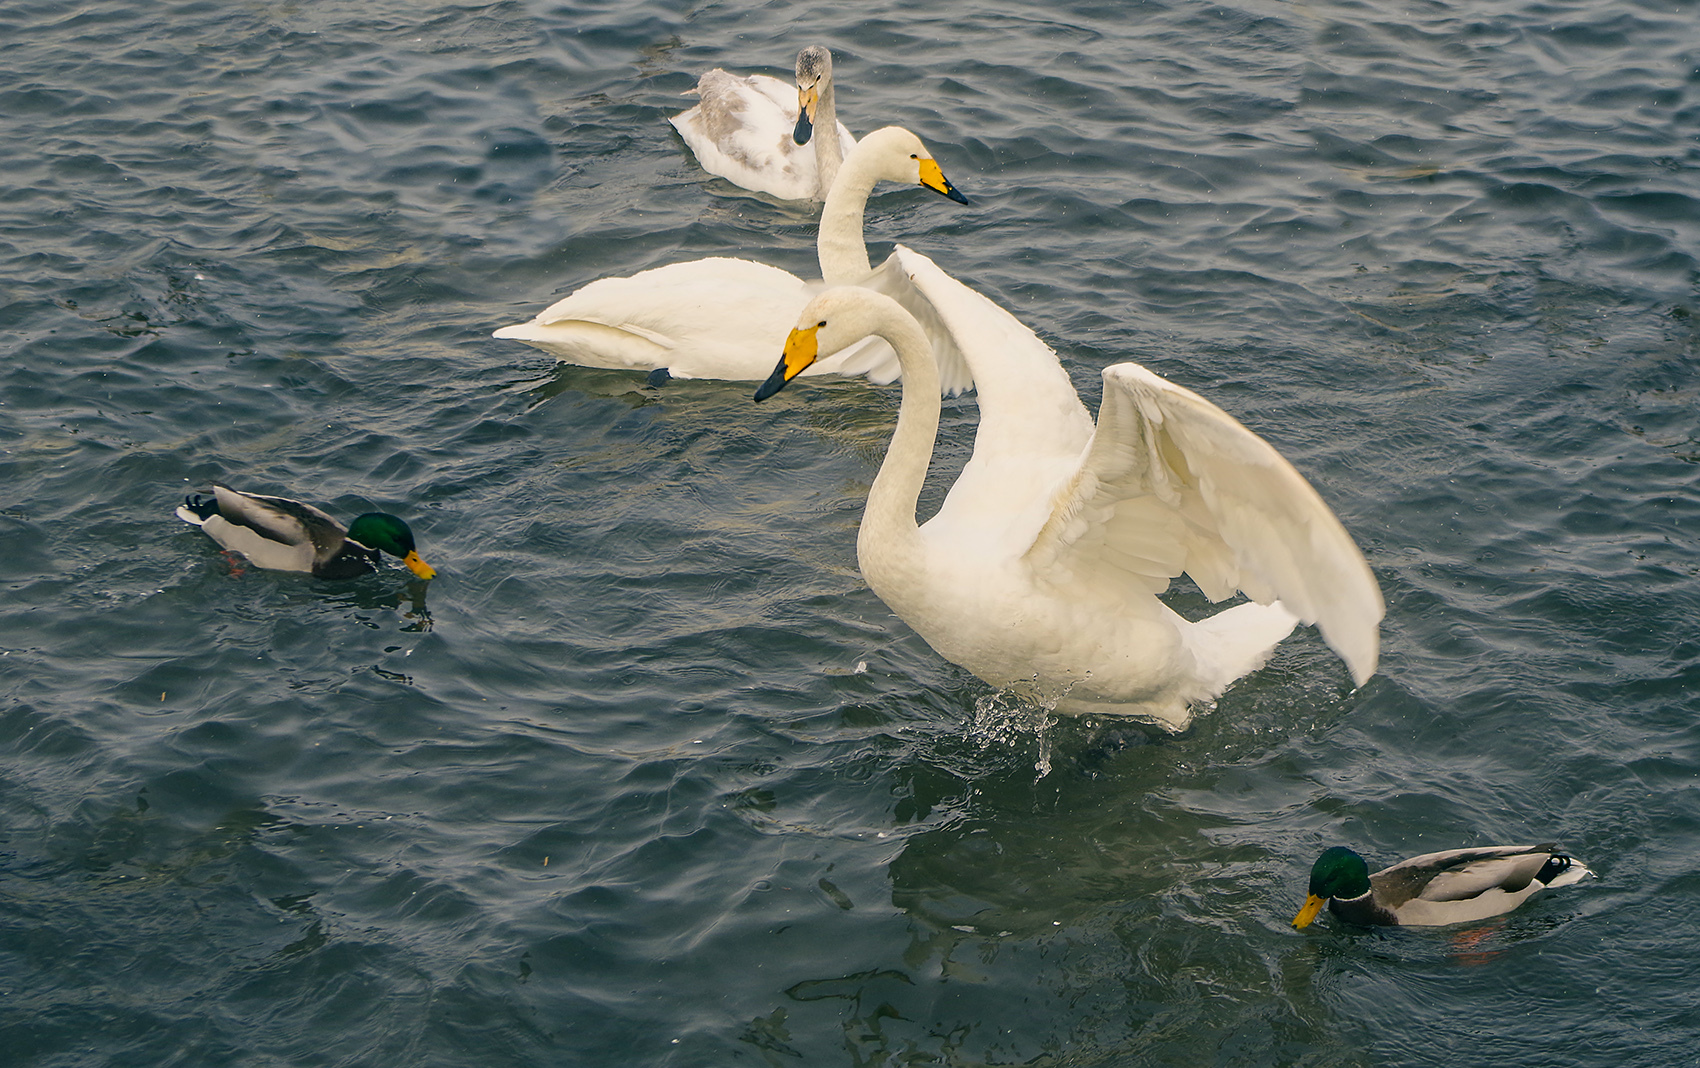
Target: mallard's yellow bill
x: 933, y: 178
x: 1313, y: 905
x: 418, y: 566
x: 802, y: 348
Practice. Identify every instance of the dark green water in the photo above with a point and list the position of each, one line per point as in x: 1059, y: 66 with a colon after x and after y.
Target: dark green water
x: 647, y: 776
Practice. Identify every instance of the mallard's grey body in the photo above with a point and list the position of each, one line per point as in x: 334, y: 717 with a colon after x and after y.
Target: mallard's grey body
x: 281, y: 534
x: 1451, y: 886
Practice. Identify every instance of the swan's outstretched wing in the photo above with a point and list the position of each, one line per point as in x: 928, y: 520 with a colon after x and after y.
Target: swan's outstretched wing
x: 895, y: 279
x: 892, y: 279
x: 1173, y: 484
x: 1032, y: 424
x: 741, y: 130
x: 975, y: 342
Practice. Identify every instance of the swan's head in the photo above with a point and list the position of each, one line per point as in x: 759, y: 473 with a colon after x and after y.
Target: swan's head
x: 834, y: 320
x: 814, y: 77
x: 899, y: 156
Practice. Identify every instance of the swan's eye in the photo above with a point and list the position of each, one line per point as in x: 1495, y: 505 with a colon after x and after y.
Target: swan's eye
x: 913, y: 156
x: 820, y: 324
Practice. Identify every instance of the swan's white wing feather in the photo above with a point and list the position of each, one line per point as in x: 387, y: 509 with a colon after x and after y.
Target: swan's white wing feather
x: 1032, y: 424
x: 719, y: 317
x: 893, y: 279
x: 780, y: 93
x: 1023, y: 389
x: 668, y: 304
x: 741, y: 130
x: 783, y: 94
x: 1172, y: 484
x: 712, y: 318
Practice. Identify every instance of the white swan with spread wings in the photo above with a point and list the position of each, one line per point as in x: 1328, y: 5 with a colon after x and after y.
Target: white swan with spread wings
x: 1041, y: 570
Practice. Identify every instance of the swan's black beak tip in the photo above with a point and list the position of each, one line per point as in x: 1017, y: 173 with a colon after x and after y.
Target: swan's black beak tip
x: 775, y: 382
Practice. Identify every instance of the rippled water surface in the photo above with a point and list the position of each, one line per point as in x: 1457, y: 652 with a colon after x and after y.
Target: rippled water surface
x: 647, y: 776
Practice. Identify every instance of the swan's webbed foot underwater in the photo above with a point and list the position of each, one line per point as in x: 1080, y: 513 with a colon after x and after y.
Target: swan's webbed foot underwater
x: 659, y: 377
x: 1108, y: 742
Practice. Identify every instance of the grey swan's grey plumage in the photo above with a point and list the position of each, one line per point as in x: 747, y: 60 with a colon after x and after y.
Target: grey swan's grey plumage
x: 761, y: 134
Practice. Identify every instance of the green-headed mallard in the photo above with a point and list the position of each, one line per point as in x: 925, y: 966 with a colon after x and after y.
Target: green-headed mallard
x: 1452, y: 886
x: 284, y: 535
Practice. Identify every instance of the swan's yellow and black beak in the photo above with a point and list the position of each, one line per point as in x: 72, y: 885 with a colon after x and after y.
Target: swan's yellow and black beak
x: 934, y: 179
x: 802, y: 349
x: 418, y: 566
x: 807, y: 100
x: 1313, y: 905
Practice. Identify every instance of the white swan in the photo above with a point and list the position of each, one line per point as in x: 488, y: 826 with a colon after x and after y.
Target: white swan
x: 1041, y: 569
x: 755, y: 131
x: 724, y: 318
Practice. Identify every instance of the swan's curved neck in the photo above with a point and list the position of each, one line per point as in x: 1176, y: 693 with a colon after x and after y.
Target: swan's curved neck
x: 843, y: 251
x: 888, y: 546
x: 829, y: 150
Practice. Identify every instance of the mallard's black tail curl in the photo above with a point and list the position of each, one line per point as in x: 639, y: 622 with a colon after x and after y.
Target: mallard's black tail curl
x: 203, y: 507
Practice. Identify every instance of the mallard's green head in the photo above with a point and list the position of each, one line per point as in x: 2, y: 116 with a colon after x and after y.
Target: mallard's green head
x: 1340, y: 873
x: 389, y: 534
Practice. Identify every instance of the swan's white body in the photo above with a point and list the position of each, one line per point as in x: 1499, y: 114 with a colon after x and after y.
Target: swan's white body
x: 725, y: 318
x: 1041, y: 570
x: 745, y: 129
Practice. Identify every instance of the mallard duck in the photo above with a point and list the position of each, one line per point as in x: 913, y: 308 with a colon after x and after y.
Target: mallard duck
x: 755, y: 131
x: 1452, y: 886
x: 284, y: 535
x: 1041, y: 569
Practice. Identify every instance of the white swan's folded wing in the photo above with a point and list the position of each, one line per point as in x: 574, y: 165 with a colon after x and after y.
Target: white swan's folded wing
x: 1171, y: 483
x: 712, y: 318
x: 784, y: 96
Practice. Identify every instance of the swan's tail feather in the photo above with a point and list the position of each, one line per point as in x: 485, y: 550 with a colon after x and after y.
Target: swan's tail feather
x: 589, y: 344
x: 1233, y: 643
